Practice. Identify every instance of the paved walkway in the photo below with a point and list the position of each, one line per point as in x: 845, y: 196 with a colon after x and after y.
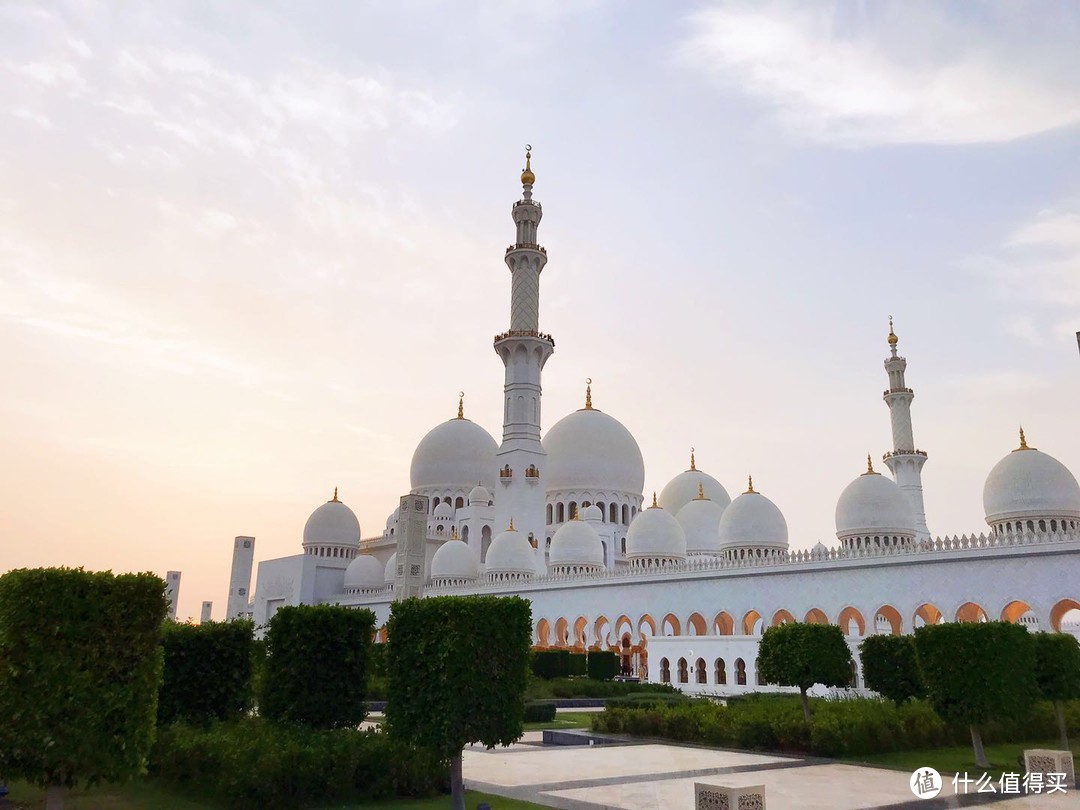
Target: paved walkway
x: 651, y: 776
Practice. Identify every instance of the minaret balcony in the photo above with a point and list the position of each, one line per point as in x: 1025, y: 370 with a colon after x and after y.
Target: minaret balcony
x: 530, y: 333
x: 897, y: 391
x: 533, y: 203
x: 896, y: 453
x: 527, y: 246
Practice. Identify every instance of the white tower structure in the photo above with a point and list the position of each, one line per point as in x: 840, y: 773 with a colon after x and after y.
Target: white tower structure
x: 172, y: 591
x: 240, y: 580
x: 524, y: 350
x: 905, y: 462
x: 207, y: 610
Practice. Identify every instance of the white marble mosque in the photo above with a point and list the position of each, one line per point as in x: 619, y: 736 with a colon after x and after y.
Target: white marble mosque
x: 682, y: 584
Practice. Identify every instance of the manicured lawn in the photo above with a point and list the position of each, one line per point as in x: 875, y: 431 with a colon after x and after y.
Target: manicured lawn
x: 144, y: 794
x: 565, y: 720
x: 1003, y: 758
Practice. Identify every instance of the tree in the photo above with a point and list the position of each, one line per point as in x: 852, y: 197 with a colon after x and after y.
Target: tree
x: 802, y: 655
x: 457, y: 668
x: 315, y: 671
x: 82, y: 662
x: 975, y: 672
x: 208, y: 670
x: 1057, y: 671
x: 890, y: 668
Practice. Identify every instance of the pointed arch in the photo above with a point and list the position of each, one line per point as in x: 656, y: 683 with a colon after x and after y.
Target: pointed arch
x: 849, y: 616
x: 1059, y: 611
x: 602, y: 632
x: 926, y: 613
x: 562, y: 633
x: 723, y: 624
x: 751, y: 623
x: 579, y: 631
x: 646, y: 621
x: 623, y: 625
x: 782, y: 617
x: 543, y: 630
x: 815, y: 616
x: 672, y: 626
x: 695, y: 625
x: 1014, y: 610
x: 887, y: 619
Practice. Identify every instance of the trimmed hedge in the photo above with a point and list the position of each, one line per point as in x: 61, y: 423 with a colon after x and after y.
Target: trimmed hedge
x: 539, y: 711
x: 577, y: 665
x: 548, y: 664
x: 315, y: 671
x: 890, y: 667
x: 588, y: 688
x: 602, y: 665
x: 208, y: 671
x: 81, y: 668
x: 256, y: 764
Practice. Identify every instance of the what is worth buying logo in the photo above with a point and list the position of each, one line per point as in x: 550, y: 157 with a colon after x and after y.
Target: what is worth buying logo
x: 925, y: 783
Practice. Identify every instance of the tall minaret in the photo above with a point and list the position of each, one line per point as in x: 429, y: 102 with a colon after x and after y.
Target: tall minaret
x: 905, y: 462
x: 524, y: 351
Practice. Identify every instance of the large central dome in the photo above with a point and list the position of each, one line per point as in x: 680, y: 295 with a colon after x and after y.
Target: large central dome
x: 455, y: 454
x: 589, y: 450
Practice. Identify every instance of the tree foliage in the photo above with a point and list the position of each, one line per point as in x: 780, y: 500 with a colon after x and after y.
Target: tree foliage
x: 802, y: 655
x: 1057, y: 671
x: 208, y: 671
x: 457, y: 669
x: 315, y: 672
x: 975, y: 672
x: 603, y: 665
x: 890, y: 667
x: 549, y: 664
x: 80, y: 669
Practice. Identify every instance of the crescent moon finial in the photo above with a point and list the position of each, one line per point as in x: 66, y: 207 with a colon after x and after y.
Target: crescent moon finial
x: 528, y: 147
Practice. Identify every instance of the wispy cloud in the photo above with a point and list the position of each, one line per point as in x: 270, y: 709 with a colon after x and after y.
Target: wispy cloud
x: 859, y: 79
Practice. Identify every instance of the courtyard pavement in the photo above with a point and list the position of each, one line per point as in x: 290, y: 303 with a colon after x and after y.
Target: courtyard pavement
x: 654, y: 775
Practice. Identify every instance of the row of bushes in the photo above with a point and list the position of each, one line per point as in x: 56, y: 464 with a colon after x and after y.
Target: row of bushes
x: 600, y: 665
x: 837, y: 727
x: 569, y: 688
x: 253, y: 763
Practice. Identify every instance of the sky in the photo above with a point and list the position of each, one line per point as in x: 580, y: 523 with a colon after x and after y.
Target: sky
x: 250, y: 252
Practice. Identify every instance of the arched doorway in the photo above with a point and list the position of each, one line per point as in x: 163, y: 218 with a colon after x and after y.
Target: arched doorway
x: 695, y: 625
x: 971, y: 612
x: 782, y: 617
x: 752, y: 624
x: 1066, y: 611
x: 700, y: 671
x: 851, y: 622
x: 927, y: 614
x: 887, y: 620
x: 815, y: 616
x: 720, y: 671
x: 665, y: 671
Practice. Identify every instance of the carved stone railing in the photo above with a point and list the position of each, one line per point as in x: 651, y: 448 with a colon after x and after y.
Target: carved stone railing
x: 524, y: 333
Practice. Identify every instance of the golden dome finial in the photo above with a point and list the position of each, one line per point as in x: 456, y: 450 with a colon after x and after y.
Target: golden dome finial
x: 460, y: 404
x: 1023, y: 441
x: 749, y: 485
x: 655, y: 505
x: 588, y: 393
x: 527, y: 176
x: 869, y: 466
x: 700, y: 492
x: 335, y: 498
x: 693, y: 464
x: 511, y: 527
x: 893, y: 339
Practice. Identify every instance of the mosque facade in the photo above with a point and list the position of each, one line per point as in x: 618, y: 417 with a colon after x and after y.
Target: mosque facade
x: 681, y: 586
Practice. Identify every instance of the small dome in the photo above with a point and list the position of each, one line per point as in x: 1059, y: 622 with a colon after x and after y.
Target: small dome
x: 391, y: 522
x: 575, y: 543
x: 390, y: 572
x: 455, y: 454
x: 332, y: 524
x: 753, y: 521
x: 1030, y: 484
x: 684, y: 487
x: 592, y: 512
x: 820, y: 548
x: 700, y: 521
x: 479, y: 496
x: 454, y: 560
x: 874, y: 504
x: 655, y: 533
x: 589, y: 450
x: 510, y: 553
x: 443, y: 511
x: 364, y: 573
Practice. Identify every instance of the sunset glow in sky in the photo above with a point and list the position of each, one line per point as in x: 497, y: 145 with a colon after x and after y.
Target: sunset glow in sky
x: 251, y: 251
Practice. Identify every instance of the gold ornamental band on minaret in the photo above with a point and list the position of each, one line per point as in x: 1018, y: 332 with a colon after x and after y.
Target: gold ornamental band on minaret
x: 461, y: 405
x: 693, y: 463
x: 893, y: 339
x: 749, y: 486
x: 527, y: 176
x: 588, y: 394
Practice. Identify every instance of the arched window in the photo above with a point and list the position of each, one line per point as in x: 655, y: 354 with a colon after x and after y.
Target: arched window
x: 701, y: 673
x: 721, y: 671
x: 460, y: 502
x: 684, y: 675
x: 561, y: 514
x: 740, y: 672
x: 603, y: 511
x: 573, y: 512
x: 665, y: 671
x: 549, y: 514
x: 613, y: 513
x: 625, y: 514
x: 624, y: 546
x: 854, y: 675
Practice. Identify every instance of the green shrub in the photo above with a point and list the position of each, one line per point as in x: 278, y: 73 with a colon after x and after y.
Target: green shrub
x: 81, y: 668
x: 548, y: 664
x: 602, y: 665
x: 890, y: 667
x: 647, y: 700
x: 254, y: 763
x: 539, y: 711
x: 578, y: 665
x: 208, y: 670
x: 803, y: 655
x: 316, y: 666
